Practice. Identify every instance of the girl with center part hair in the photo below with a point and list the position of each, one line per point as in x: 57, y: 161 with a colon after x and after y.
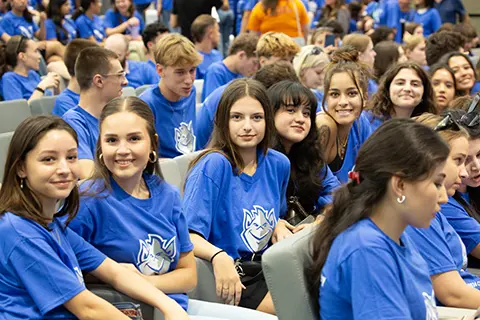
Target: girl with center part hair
x: 42, y: 260
x: 364, y: 265
x: 443, y: 83
x: 132, y: 215
x: 58, y: 27
x: 311, y: 180
x: 341, y: 125
x: 235, y: 193
x: 405, y: 91
x: 309, y: 66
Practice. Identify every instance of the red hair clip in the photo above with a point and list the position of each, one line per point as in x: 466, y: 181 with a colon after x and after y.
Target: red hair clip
x: 354, y: 176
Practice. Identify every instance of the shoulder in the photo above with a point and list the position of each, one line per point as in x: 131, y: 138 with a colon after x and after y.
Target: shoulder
x: 274, y: 156
x: 213, y: 165
x: 160, y: 187
x: 15, y: 228
x: 73, y: 114
x: 33, y: 75
x: 109, y: 12
x: 327, y: 127
x: 9, y: 75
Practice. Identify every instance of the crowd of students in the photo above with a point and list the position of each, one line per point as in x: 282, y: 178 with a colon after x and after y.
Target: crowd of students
x: 368, y: 136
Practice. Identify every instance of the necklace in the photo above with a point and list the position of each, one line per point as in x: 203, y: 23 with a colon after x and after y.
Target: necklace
x: 343, y: 148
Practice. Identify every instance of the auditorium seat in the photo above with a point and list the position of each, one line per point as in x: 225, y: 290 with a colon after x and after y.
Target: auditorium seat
x: 12, y: 113
x: 4, y: 143
x: 183, y: 162
x: 198, y: 83
x: 140, y: 89
x: 171, y: 173
x: 43, y: 105
x: 128, y: 92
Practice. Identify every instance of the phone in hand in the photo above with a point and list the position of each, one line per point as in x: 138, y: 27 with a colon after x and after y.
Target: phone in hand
x: 329, y: 40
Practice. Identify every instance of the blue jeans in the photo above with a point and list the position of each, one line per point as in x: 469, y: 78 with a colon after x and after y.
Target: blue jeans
x: 165, y: 18
x: 226, y: 29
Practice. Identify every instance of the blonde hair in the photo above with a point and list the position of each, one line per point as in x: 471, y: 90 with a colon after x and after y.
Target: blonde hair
x: 411, y: 42
x: 358, y: 41
x: 276, y: 44
x: 448, y: 135
x: 176, y: 50
x: 307, y: 59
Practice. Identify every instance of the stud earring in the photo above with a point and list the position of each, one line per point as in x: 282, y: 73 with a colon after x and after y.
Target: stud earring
x: 21, y: 183
x: 401, y: 199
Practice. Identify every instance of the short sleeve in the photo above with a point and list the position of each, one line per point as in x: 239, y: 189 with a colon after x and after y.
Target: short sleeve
x: 11, y: 89
x: 214, y: 78
x: 84, y: 151
x: 48, y: 280
x: 181, y: 225
x: 140, y: 18
x: 255, y: 19
x: 83, y: 224
x: 51, y: 30
x: 436, y: 20
x: 110, y: 19
x: 89, y: 258
x: 83, y: 29
x: 467, y: 227
x: 7, y: 27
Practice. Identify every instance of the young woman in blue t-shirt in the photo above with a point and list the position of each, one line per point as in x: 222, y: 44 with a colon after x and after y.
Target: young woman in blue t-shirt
x: 464, y: 72
x: 42, y: 260
x: 89, y: 24
x: 235, y: 193
x: 58, y: 26
x: 123, y: 18
x: 427, y: 16
x: 364, y: 265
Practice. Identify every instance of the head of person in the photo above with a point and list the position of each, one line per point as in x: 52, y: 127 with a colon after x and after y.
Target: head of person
x: 334, y: 3
x: 275, y: 46
x: 20, y: 6
x: 205, y: 27
x: 468, y: 30
x: 404, y: 174
x: 440, y: 42
x: 443, y: 83
x: 124, y: 7
x: 42, y: 169
x: 275, y: 72
x: 127, y: 146
x: 319, y: 37
x: 457, y: 138
x: 447, y: 26
x: 99, y: 69
x: 177, y: 61
x: 463, y: 69
x: 244, y: 49
x: 21, y: 51
x: 355, y: 9
x: 57, y: 10
x: 152, y: 33
x: 414, y: 48
x: 269, y: 5
x: 404, y: 89
x: 382, y: 33
x: 72, y: 50
x: 363, y: 44
x: 336, y: 27
x: 404, y: 4
x: 414, y: 29
x: 118, y: 43
x: 420, y: 4
x: 243, y: 122
x: 346, y: 86
x: 388, y: 53
x: 310, y: 66
x: 92, y: 6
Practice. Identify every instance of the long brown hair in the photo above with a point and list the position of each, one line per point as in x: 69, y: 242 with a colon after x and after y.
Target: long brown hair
x: 24, y: 202
x: 221, y: 140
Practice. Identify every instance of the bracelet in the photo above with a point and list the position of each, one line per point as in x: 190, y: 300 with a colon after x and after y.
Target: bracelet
x: 40, y: 90
x: 211, y: 259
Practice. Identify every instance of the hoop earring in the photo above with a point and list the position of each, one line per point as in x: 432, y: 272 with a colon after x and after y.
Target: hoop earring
x: 100, y: 158
x: 154, y: 157
x: 401, y: 199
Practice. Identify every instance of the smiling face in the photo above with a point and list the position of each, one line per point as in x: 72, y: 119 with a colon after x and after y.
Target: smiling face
x: 444, y: 88
x: 464, y: 74
x: 406, y: 90
x: 343, y: 99
x: 247, y: 123
x: 473, y: 164
x: 293, y: 123
x: 455, y: 170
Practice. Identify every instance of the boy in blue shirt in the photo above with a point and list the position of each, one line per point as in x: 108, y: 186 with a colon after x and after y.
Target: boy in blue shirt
x: 100, y: 77
x: 206, y: 35
x: 138, y: 72
x: 69, y: 97
x: 150, y: 36
x: 242, y: 61
x: 173, y: 100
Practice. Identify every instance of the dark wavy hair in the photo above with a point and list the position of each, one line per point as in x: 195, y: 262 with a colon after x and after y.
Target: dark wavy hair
x: 381, y: 104
x: 84, y: 5
x: 383, y: 155
x: 54, y: 9
x: 306, y: 157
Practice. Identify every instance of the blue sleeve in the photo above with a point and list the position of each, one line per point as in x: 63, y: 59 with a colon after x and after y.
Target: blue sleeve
x: 110, y: 19
x: 84, y: 30
x: 7, y: 27
x: 140, y: 18
x: 181, y: 224
x: 436, y: 20
x: 365, y: 127
x: 213, y: 80
x: 329, y: 184
x: 51, y: 30
x: 467, y: 227
x: 375, y: 287
x: 83, y: 224
x: 89, y: 258
x: 84, y: 151
x: 11, y: 89
x: 48, y: 280
x: 205, y: 118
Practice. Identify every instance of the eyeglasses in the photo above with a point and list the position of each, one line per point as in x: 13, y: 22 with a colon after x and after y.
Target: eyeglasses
x: 122, y: 74
x: 19, y: 45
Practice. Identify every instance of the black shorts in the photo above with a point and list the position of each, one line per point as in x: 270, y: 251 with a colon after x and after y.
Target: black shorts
x: 254, y: 294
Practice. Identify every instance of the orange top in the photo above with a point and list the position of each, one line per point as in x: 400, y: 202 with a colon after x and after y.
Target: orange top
x: 284, y: 19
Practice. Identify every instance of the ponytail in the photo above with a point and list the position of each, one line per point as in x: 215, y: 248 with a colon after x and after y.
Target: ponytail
x: 84, y: 5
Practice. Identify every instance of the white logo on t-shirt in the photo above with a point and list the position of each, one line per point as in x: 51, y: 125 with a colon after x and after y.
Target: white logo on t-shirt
x: 430, y: 306
x: 185, y: 138
x: 98, y: 34
x: 258, y: 225
x: 79, y: 274
x: 156, y: 254
x: 323, y: 279
x: 464, y: 253
x: 27, y: 32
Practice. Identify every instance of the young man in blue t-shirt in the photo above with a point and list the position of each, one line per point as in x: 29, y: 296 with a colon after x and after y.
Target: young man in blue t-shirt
x: 100, y: 77
x: 206, y: 36
x: 242, y: 61
x: 138, y: 72
x: 69, y: 97
x: 173, y: 100
x: 150, y: 36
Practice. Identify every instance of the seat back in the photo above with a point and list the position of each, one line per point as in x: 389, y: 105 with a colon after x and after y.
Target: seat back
x: 171, y: 173
x: 198, y: 83
x: 205, y: 289
x: 140, y: 89
x: 183, y: 162
x: 43, y: 105
x: 128, y: 92
x: 5, y: 139
x: 12, y: 113
x: 284, y: 268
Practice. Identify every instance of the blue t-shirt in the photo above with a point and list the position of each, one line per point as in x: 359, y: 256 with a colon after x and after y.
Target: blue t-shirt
x: 329, y: 184
x: 430, y: 20
x: 152, y: 70
x: 208, y: 59
x: 174, y: 122
x: 140, y: 73
x: 442, y: 249
x: 476, y: 88
x: 86, y: 127
x: 206, y: 115
x: 113, y: 19
x: 372, y: 87
x: 319, y: 95
x: 167, y: 5
x: 217, y: 75
x: 467, y: 227
x: 391, y: 16
x: 449, y: 9
x: 367, y: 275
x: 87, y: 27
x: 40, y: 270
x: 237, y: 213
x: 65, y: 101
x: 148, y: 233
x: 16, y: 86
x: 14, y: 25
x: 373, y: 120
x: 67, y: 24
